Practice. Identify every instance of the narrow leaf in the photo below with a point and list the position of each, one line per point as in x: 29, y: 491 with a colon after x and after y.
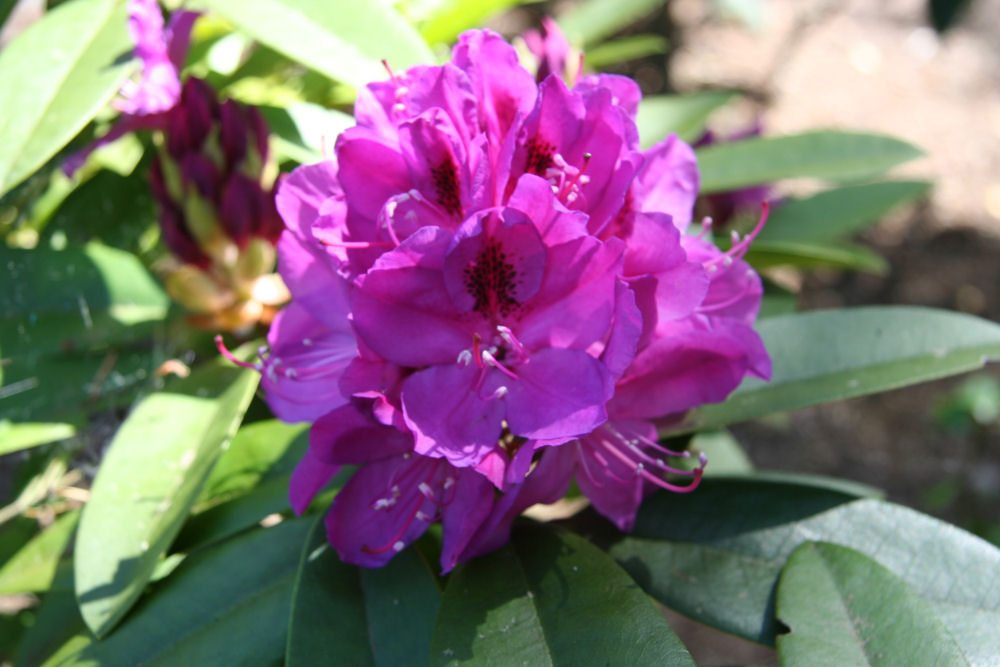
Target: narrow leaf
x: 686, y: 115
x: 826, y: 154
x: 550, y: 598
x: 228, y: 605
x: 844, y: 608
x: 33, y: 567
x: 15, y: 437
x: 715, y: 555
x: 838, y: 212
x: 590, y: 21
x: 151, y: 475
x: 824, y: 356
x: 344, y: 41
x: 842, y: 255
x: 54, y: 78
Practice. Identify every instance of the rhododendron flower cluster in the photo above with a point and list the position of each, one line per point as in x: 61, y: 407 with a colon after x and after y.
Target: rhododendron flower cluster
x: 493, y: 293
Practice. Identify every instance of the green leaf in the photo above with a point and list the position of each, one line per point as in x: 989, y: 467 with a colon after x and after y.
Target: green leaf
x: 550, y: 598
x: 830, y: 355
x: 844, y: 608
x: 75, y: 299
x: 384, y: 616
x: 33, y: 567
x: 344, y: 41
x: 57, y: 620
x: 725, y: 456
x: 227, y: 605
x: 54, y: 78
x: 715, y: 555
x: 686, y: 115
x: 590, y: 21
x: 826, y: 154
x: 152, y: 473
x: 453, y: 17
x: 302, y: 130
x: 839, y: 212
x: 842, y: 255
x: 15, y: 437
x: 624, y: 49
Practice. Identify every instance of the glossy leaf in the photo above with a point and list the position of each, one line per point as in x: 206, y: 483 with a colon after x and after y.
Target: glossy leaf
x: 826, y: 154
x: 15, y: 437
x: 838, y: 212
x: 152, y: 473
x: 227, y: 605
x: 54, y: 78
x: 659, y: 115
x: 715, y: 555
x: 33, y: 567
x: 824, y: 356
x: 549, y: 598
x: 589, y: 21
x: 344, y: 41
x: 844, y: 608
x: 383, y: 616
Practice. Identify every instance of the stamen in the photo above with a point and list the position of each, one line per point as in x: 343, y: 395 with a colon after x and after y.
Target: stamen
x: 396, y: 543
x: 508, y: 336
x: 224, y: 351
x: 492, y: 361
x: 740, y: 247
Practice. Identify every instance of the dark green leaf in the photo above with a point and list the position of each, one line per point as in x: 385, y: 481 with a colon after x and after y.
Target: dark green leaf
x: 54, y: 78
x: 824, y: 356
x: 228, y: 605
x: 659, y: 115
x: 550, y: 598
x: 151, y: 475
x: 844, y: 608
x: 32, y: 568
x: 715, y: 555
x: 344, y: 41
x: 590, y: 21
x: 826, y: 154
x: 384, y: 616
x: 839, y: 212
x: 56, y: 621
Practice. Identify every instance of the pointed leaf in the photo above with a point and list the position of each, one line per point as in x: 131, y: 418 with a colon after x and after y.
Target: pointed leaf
x: 33, y: 567
x: 384, y: 616
x: 659, y: 115
x: 826, y: 154
x: 807, y: 254
x: 838, y: 212
x: 824, y: 356
x: 844, y: 608
x: 15, y: 437
x: 344, y: 41
x: 151, y: 475
x: 54, y: 78
x: 224, y: 606
x: 715, y: 555
x: 550, y: 598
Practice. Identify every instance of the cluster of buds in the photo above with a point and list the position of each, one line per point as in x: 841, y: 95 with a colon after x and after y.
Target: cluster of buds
x: 213, y: 185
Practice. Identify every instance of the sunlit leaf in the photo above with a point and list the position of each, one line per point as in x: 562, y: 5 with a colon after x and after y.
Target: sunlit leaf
x: 226, y: 605
x: 303, y: 131
x: 452, y: 17
x: 33, y: 567
x: 550, y: 598
x: 54, y: 78
x: 685, y: 115
x: 827, y: 154
x: 589, y: 21
x: 838, y: 212
x: 344, y: 41
x: 844, y: 608
x: 14, y: 437
x: 824, y: 356
x: 716, y: 554
x: 384, y: 616
x: 152, y: 473
x: 624, y: 49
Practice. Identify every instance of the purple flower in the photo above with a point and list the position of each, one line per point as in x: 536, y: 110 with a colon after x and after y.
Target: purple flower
x: 493, y: 292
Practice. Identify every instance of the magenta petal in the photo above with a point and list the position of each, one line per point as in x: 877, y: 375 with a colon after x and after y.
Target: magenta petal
x: 625, y: 332
x: 401, y: 306
x: 383, y: 508
x: 370, y: 171
x: 439, y: 168
x: 668, y: 180
x: 556, y: 223
x: 558, y: 393
x: 461, y: 518
x: 450, y: 415
x: 302, y: 193
x: 308, y: 479
x: 680, y: 290
x: 653, y: 245
x: 347, y: 436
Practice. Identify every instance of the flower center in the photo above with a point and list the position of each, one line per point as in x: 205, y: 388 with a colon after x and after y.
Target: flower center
x: 490, y: 280
x: 445, y: 177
